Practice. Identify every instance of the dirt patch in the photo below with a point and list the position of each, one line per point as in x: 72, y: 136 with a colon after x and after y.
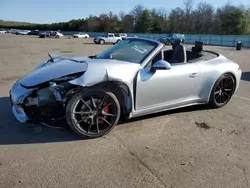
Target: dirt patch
x: 10, y: 78
x: 202, y: 125
x: 66, y: 51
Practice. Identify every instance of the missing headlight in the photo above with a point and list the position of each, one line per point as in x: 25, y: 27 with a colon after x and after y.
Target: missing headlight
x: 68, y: 77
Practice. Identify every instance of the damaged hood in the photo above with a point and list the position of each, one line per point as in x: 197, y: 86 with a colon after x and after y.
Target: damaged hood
x: 96, y: 70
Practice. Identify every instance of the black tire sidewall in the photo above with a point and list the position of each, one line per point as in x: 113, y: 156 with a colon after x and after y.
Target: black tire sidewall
x: 72, y: 102
x: 212, y: 100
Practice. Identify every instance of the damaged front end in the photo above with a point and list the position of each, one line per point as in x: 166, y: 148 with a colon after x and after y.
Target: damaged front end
x: 42, y: 102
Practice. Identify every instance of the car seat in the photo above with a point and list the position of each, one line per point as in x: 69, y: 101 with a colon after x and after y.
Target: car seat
x: 179, y: 55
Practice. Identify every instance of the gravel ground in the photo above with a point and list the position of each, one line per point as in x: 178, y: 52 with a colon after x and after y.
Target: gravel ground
x: 171, y: 149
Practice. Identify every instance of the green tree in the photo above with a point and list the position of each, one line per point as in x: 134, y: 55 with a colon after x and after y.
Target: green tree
x: 231, y: 20
x: 144, y: 22
x: 156, y: 26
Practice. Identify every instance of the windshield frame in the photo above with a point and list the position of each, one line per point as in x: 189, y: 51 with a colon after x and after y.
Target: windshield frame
x: 152, y: 42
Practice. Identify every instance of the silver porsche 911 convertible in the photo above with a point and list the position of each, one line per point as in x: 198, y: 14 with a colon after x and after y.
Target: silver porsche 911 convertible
x: 133, y: 78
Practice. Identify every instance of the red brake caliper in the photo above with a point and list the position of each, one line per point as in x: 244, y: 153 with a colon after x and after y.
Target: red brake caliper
x: 106, y: 109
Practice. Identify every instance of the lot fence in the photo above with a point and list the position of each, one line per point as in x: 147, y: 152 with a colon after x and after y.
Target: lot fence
x: 216, y: 40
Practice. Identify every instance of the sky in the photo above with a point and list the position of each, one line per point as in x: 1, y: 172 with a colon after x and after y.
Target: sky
x: 50, y: 11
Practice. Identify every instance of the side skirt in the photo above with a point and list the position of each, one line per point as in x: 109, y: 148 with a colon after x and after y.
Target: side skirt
x: 160, y: 109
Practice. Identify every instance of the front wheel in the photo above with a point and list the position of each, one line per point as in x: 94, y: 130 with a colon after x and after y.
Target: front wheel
x: 93, y: 113
x: 222, y: 91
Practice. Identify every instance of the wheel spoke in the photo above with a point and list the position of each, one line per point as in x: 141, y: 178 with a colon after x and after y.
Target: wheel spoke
x: 107, y: 114
x: 80, y: 121
x: 102, y: 101
x: 229, y: 82
x: 86, y: 104
x: 228, y: 89
x: 226, y: 94
x: 82, y: 113
x: 217, y: 97
x: 97, y: 125
x: 220, y: 98
x: 219, y: 85
x: 216, y: 92
x: 105, y: 120
x: 93, y: 102
x: 90, y: 125
x: 107, y: 105
x: 223, y: 98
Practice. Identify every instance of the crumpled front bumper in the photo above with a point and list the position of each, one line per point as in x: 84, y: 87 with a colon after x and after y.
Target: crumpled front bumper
x: 17, y: 95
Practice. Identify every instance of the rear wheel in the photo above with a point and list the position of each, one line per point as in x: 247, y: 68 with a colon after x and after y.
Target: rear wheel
x: 93, y: 113
x: 222, y: 91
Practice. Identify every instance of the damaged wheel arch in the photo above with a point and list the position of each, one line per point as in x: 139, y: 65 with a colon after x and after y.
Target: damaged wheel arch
x: 122, y: 92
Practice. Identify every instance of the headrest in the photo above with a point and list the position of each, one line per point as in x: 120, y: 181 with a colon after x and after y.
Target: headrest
x: 177, y: 42
x: 198, y: 47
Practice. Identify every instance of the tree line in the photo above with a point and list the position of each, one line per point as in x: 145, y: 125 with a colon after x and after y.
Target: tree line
x: 200, y: 19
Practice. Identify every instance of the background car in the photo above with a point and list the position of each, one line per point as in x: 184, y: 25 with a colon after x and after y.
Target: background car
x: 81, y: 35
x: 108, y: 38
x: 34, y: 32
x: 171, y: 38
x: 49, y: 34
x: 123, y: 35
x: 3, y: 31
x: 22, y: 32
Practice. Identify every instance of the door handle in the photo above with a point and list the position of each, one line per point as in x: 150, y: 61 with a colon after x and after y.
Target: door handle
x: 193, y: 74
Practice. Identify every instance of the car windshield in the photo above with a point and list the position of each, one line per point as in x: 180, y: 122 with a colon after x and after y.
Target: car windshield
x: 131, y: 50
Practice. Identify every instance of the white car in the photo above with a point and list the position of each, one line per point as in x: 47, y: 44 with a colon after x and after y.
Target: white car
x: 58, y: 34
x: 23, y: 32
x: 107, y: 38
x: 81, y: 35
x: 2, y: 31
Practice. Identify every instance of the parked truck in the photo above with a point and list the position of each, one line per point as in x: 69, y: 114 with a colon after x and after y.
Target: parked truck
x: 108, y: 38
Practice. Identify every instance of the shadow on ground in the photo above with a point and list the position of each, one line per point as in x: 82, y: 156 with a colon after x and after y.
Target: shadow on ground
x: 13, y: 132
x: 245, y: 76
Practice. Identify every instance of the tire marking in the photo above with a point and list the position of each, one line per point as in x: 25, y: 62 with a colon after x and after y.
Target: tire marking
x: 245, y: 98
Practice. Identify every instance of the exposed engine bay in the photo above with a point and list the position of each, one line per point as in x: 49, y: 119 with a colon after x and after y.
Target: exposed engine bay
x: 49, y: 102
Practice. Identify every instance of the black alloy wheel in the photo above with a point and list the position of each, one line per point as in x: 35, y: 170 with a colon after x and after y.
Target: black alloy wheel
x: 222, y: 91
x: 93, y: 113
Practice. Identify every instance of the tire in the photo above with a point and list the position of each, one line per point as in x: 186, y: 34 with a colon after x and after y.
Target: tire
x: 101, y: 41
x: 57, y: 37
x: 118, y: 41
x: 223, y: 88
x: 89, y: 121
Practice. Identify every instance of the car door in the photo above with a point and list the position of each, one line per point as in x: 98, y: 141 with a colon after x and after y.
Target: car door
x: 110, y: 38
x: 175, y: 86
